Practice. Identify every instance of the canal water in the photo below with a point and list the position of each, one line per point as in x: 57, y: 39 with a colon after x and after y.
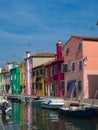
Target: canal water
x: 30, y: 117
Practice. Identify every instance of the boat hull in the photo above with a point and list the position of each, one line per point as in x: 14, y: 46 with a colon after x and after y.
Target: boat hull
x: 47, y: 106
x: 83, y: 113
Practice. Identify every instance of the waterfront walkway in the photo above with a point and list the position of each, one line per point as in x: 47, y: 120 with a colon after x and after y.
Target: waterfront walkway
x: 85, y: 101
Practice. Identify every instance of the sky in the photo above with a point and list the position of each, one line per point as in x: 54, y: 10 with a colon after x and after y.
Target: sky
x: 37, y: 25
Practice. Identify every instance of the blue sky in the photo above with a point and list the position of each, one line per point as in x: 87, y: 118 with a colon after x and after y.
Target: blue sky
x: 37, y: 25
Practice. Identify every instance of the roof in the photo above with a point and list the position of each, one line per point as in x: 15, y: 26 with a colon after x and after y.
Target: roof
x: 48, y: 63
x: 44, y: 64
x: 4, y: 71
x: 89, y: 38
x: 44, y: 54
x: 86, y: 37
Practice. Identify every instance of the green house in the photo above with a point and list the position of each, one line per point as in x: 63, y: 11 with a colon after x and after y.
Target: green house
x: 15, y: 79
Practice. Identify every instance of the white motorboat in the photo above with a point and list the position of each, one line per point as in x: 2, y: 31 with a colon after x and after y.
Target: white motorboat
x: 53, y: 103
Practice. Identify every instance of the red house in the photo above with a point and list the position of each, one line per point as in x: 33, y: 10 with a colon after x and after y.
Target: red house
x: 54, y: 76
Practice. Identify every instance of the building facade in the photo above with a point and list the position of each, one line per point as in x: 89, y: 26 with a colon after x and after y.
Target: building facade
x: 38, y: 81
x: 54, y: 76
x: 15, y: 79
x: 33, y: 62
x: 81, y: 66
x: 23, y: 77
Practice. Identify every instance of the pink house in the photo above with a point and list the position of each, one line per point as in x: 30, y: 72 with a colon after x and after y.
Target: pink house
x: 81, y: 66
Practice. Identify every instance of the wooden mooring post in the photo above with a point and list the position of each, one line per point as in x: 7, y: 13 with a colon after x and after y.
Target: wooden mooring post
x: 1, y: 123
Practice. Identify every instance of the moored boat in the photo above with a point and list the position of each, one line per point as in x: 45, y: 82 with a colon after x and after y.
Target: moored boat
x: 38, y: 102
x: 53, y: 103
x: 77, y: 111
x: 5, y: 106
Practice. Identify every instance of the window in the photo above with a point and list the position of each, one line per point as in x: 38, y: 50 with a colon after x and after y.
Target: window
x: 55, y: 69
x: 62, y: 85
x: 62, y: 68
x: 46, y: 73
x: 80, y: 85
x: 40, y: 85
x: 79, y: 46
x: 33, y: 73
x: 73, y: 66
x: 51, y: 71
x: 15, y: 77
x: 32, y: 85
x: 67, y: 51
x: 65, y: 68
x: 80, y: 65
x: 37, y: 72
x: 67, y: 86
x: 41, y: 71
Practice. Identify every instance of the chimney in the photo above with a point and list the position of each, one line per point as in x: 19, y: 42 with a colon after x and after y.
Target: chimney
x: 28, y: 54
x: 0, y: 69
x: 59, y: 50
x: 28, y: 74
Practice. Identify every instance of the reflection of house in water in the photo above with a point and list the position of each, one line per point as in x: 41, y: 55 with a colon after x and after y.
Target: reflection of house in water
x: 16, y: 108
x: 29, y: 118
x: 26, y: 117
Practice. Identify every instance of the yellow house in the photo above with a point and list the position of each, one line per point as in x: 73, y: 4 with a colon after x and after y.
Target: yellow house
x: 22, y: 76
x: 38, y: 81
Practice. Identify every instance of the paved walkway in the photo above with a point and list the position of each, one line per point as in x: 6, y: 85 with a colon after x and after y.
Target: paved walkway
x: 89, y: 102
x: 85, y: 101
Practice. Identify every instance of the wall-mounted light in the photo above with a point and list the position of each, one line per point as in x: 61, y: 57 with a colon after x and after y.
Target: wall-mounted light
x: 85, y: 59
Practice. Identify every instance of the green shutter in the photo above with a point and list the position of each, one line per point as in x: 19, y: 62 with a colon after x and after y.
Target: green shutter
x: 80, y: 85
x: 62, y: 85
x: 36, y: 85
x: 80, y: 65
x: 40, y: 84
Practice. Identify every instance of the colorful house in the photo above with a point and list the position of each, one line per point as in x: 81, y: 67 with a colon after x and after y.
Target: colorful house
x: 28, y: 62
x: 54, y: 76
x: 5, y: 78
x: 9, y: 66
x: 3, y: 75
x: 23, y: 77
x: 81, y: 66
x: 32, y: 62
x: 38, y: 81
x: 15, y: 79
x: 48, y: 79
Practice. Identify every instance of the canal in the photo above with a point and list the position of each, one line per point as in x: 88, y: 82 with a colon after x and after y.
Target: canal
x: 31, y: 117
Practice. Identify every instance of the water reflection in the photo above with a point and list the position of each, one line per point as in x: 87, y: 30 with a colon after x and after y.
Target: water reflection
x: 28, y: 117
x: 80, y: 124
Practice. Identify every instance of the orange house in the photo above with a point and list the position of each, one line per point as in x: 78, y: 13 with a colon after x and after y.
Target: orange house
x: 81, y: 66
